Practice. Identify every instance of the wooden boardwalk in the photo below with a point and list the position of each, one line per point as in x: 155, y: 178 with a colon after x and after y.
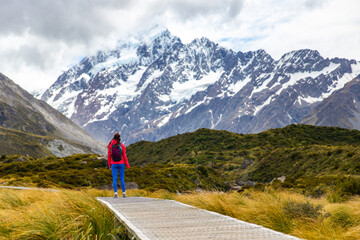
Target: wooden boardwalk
x: 29, y: 188
x: 156, y: 219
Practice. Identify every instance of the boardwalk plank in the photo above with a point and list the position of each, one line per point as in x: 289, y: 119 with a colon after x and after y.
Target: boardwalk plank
x: 157, y: 219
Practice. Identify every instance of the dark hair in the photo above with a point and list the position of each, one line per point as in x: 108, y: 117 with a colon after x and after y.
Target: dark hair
x: 116, y: 138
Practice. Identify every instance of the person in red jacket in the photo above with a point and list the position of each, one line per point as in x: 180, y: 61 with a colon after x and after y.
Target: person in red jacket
x: 117, y: 165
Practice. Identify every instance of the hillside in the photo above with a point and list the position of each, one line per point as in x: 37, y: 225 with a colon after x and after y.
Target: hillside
x: 314, y: 160
x: 293, y: 151
x: 15, y: 142
x: 29, y: 126
x: 86, y: 170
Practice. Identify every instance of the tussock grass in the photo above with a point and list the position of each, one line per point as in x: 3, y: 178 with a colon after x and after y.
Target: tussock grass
x: 31, y: 214
x: 284, y: 211
x: 68, y: 214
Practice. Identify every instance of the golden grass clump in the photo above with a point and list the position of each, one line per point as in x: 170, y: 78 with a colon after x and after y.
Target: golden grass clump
x: 283, y: 211
x: 67, y: 214
x: 32, y: 214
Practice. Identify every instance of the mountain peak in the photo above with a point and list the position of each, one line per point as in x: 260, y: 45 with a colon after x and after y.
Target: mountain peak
x: 155, y: 86
x: 148, y: 35
x: 304, y: 54
x: 202, y: 42
x: 156, y: 31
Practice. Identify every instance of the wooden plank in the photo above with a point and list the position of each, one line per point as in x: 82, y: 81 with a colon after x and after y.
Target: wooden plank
x: 157, y: 219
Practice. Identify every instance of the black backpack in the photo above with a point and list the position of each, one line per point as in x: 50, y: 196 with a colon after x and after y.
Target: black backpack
x: 116, y: 152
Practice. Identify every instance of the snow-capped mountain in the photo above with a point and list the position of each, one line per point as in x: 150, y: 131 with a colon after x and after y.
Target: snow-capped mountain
x: 154, y: 86
x: 341, y: 109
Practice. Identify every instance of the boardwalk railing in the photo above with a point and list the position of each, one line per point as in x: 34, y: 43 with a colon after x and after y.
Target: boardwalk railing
x: 156, y: 219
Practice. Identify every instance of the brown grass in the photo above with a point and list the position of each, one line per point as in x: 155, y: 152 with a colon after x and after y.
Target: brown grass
x: 68, y: 214
x: 305, y: 217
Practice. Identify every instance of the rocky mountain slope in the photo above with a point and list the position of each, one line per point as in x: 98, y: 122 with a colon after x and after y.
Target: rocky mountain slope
x: 341, y: 109
x: 32, y: 127
x: 154, y: 86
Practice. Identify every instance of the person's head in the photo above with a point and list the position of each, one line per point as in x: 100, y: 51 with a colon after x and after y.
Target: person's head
x: 117, y: 137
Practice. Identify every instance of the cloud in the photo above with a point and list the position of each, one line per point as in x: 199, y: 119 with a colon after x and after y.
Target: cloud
x: 80, y: 21
x: 66, y: 20
x: 313, y: 4
x: 189, y: 9
x: 332, y: 27
x: 42, y: 37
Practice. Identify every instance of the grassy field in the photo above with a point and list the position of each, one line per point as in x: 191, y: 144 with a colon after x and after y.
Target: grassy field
x: 32, y: 214
x: 319, y: 198
x: 70, y: 214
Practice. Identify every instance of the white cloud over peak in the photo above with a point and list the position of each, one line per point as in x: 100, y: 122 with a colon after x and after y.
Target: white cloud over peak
x: 41, y: 37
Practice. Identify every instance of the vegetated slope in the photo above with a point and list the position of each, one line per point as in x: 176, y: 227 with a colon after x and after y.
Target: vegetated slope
x: 28, y: 144
x: 313, y: 159
x: 85, y: 170
x: 32, y: 127
x: 293, y: 151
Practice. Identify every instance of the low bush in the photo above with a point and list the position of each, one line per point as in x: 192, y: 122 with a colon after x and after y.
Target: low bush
x: 302, y: 210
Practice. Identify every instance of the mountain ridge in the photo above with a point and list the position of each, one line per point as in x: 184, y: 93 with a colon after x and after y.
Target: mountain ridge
x: 342, y: 108
x: 296, y: 151
x: 155, y: 88
x: 31, y: 126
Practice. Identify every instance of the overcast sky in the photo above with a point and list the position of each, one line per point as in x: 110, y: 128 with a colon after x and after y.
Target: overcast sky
x: 41, y: 38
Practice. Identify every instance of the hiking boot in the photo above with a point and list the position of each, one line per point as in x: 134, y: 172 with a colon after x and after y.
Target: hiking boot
x: 115, y: 195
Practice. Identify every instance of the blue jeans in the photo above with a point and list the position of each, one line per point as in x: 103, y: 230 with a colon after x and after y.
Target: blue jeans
x: 114, y: 170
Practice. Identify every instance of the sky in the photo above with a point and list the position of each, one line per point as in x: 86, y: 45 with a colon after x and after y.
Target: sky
x: 40, y: 39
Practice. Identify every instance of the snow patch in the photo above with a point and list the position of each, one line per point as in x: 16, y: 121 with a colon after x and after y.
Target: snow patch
x: 184, y: 91
x: 193, y: 107
x: 164, y: 98
x: 308, y: 99
x: 258, y: 108
x: 264, y: 84
x: 66, y: 102
x: 164, y: 120
x: 236, y: 87
x: 84, y: 76
x: 295, y: 77
x: 339, y: 84
x: 127, y: 55
x: 154, y: 75
x: 213, y: 124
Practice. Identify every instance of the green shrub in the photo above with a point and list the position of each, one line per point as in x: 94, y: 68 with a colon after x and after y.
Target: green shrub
x: 336, y: 196
x: 259, y: 186
x: 301, y: 210
x: 350, y: 185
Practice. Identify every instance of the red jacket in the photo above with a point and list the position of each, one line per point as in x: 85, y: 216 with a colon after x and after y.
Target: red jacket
x: 123, y: 157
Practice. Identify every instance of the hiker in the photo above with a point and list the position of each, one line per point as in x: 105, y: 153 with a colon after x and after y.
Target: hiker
x: 117, y: 160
